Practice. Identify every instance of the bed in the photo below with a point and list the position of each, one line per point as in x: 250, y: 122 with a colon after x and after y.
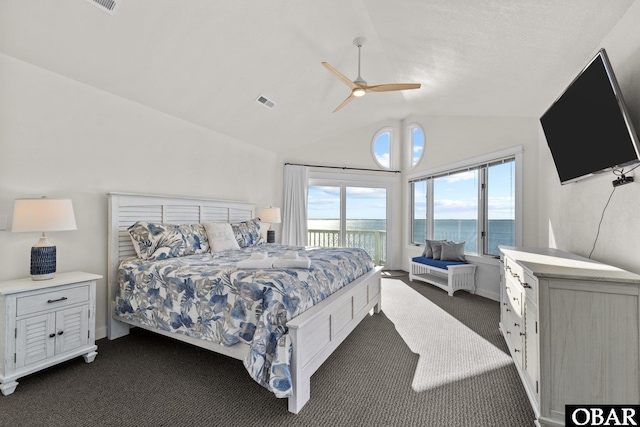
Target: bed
x: 282, y: 321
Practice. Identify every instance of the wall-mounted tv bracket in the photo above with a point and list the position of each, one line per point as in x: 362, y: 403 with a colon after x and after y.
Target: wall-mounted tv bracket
x: 622, y: 180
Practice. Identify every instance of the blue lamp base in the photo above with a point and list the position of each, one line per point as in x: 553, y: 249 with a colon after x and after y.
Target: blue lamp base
x: 43, y: 262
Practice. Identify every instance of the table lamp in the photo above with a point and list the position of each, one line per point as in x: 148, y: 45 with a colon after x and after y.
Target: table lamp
x: 43, y: 215
x: 270, y: 215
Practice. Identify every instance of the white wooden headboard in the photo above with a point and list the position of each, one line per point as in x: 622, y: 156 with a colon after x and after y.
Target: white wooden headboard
x: 125, y: 209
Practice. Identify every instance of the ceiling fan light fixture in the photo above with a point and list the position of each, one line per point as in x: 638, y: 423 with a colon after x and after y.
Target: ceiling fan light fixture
x: 359, y: 86
x: 359, y: 91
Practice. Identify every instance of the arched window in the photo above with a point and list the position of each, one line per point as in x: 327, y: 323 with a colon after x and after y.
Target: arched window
x: 416, y: 142
x: 381, y: 147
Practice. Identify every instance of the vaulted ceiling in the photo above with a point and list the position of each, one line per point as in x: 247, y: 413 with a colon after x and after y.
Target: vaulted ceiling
x: 206, y: 61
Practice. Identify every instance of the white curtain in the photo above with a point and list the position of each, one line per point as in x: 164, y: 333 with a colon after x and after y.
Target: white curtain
x: 294, y: 216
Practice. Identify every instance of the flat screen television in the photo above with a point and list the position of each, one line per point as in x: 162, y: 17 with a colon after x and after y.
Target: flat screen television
x: 588, y: 128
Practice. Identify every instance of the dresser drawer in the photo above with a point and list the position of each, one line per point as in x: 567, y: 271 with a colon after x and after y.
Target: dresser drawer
x: 514, y: 295
x: 52, y: 300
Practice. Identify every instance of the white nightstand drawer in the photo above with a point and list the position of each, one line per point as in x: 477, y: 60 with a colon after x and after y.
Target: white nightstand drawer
x: 52, y: 300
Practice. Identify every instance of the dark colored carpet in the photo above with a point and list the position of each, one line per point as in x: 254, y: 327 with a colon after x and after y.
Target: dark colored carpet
x: 426, y: 360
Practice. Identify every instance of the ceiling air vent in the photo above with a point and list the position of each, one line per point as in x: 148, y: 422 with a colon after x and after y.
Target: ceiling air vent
x: 108, y: 6
x: 265, y: 101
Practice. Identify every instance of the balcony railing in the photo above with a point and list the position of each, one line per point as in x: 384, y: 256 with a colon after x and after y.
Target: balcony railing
x: 372, y: 241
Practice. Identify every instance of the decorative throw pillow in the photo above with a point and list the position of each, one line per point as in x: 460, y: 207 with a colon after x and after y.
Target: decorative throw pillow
x: 436, y: 248
x: 221, y: 236
x: 160, y: 240
x: 452, y: 251
x: 428, y: 250
x: 247, y: 232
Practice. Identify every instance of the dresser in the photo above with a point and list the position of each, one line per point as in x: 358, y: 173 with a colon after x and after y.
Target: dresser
x: 43, y: 323
x: 572, y: 327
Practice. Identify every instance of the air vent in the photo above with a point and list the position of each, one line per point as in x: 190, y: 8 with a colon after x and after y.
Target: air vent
x: 265, y: 101
x: 108, y: 6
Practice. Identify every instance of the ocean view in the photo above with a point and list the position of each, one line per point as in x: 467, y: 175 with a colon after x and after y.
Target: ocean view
x: 501, y: 231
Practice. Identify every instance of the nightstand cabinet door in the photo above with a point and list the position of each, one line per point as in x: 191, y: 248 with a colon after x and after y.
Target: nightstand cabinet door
x: 72, y: 329
x: 33, y: 341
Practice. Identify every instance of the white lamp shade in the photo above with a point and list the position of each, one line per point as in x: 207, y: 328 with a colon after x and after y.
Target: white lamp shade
x: 43, y: 215
x: 270, y: 215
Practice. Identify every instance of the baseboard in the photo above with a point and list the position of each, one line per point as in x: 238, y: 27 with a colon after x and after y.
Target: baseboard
x: 101, y: 333
x: 488, y: 294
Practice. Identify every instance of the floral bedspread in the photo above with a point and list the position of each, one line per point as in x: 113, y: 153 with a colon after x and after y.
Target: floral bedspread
x: 207, y: 297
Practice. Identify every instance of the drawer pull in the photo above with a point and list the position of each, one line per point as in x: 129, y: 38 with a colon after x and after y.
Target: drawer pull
x: 522, y: 334
x: 52, y: 335
x: 517, y: 325
x: 56, y: 300
x: 526, y: 285
x: 516, y: 350
x: 508, y: 309
x: 61, y: 332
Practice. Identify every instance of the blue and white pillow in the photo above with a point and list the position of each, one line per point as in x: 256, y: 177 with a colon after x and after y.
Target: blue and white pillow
x: 160, y: 240
x: 247, y: 233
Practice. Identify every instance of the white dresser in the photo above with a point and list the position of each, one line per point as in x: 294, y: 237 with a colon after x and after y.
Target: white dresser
x: 572, y: 326
x: 43, y: 323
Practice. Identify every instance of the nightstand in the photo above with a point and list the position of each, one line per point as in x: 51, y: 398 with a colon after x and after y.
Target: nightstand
x: 43, y: 323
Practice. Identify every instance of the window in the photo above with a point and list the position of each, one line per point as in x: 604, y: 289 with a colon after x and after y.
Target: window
x: 419, y: 211
x: 416, y: 136
x: 501, y: 215
x: 475, y: 204
x: 381, y: 147
x: 455, y: 208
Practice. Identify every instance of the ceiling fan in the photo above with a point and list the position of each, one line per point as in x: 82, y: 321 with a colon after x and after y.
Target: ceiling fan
x: 359, y: 86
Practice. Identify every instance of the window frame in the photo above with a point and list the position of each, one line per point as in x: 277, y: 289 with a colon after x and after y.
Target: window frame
x: 411, y: 143
x: 319, y: 177
x: 481, y: 163
x: 380, y: 132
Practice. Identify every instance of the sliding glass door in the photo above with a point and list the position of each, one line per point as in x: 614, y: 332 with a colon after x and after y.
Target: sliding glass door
x: 349, y: 216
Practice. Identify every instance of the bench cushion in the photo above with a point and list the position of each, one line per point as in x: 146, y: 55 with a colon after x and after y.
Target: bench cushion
x: 436, y: 262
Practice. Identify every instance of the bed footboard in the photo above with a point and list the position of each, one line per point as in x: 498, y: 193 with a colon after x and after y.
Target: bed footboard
x: 317, y: 332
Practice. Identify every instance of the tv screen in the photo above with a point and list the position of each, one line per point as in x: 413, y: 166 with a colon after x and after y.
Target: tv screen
x: 587, y: 128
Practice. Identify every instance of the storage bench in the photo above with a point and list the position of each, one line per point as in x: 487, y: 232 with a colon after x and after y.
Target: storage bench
x: 450, y: 276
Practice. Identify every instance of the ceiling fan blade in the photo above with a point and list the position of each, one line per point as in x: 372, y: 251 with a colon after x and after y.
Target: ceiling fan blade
x: 339, y: 75
x: 392, y: 86
x: 345, y: 102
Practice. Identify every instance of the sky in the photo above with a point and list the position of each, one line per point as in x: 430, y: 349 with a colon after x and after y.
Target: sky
x: 465, y: 188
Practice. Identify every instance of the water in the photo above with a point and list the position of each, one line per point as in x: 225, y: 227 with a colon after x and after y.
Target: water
x: 501, y: 231
x: 352, y: 224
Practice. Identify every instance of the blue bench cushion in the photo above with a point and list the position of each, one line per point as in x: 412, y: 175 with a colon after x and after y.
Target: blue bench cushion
x: 436, y: 262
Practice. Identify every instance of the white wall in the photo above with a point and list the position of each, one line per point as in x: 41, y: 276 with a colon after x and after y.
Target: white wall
x: 569, y: 215
x: 61, y: 138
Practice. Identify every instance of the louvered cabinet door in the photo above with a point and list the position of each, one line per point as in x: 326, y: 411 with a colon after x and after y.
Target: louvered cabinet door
x: 34, y: 342
x: 72, y: 329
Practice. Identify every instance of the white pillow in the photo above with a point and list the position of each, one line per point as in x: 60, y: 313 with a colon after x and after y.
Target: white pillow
x: 220, y: 236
